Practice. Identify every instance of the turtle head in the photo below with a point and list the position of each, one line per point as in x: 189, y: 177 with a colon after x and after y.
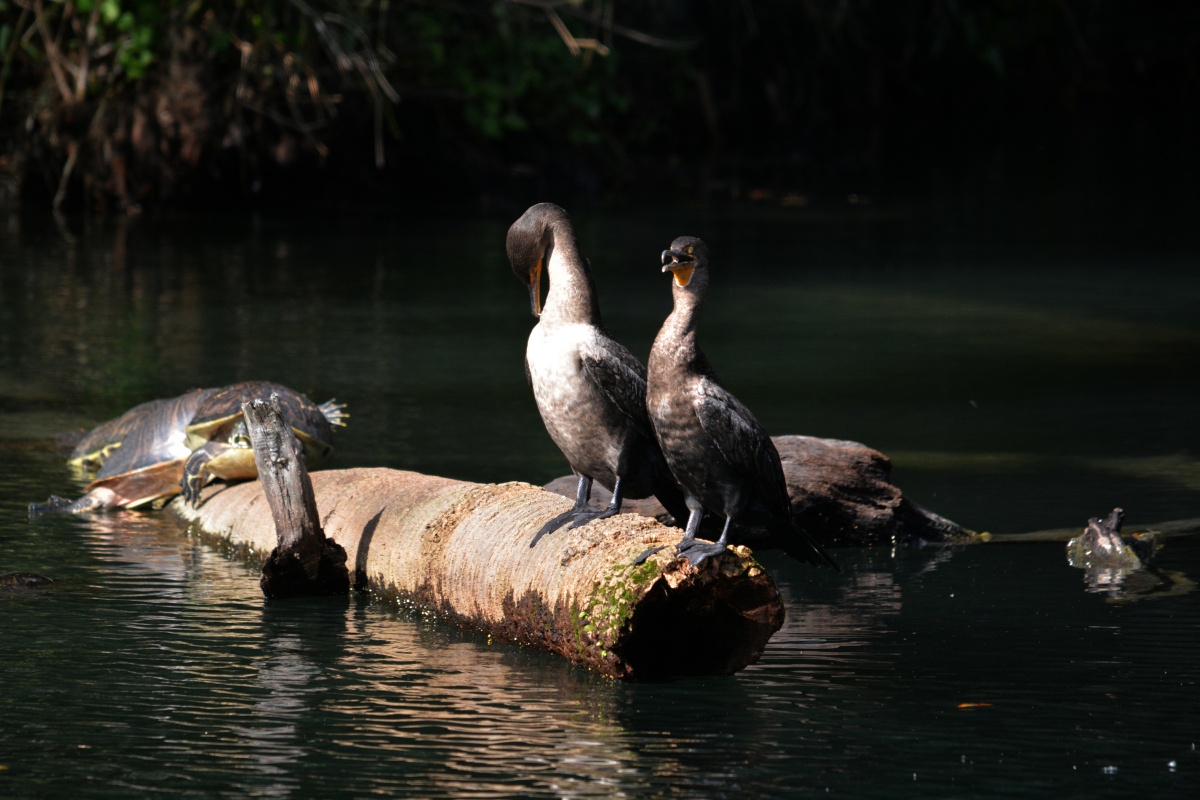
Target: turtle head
x: 687, y: 260
x: 530, y: 243
x: 239, y: 436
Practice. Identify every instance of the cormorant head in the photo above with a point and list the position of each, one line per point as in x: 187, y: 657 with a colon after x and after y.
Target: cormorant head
x: 530, y: 242
x: 687, y: 260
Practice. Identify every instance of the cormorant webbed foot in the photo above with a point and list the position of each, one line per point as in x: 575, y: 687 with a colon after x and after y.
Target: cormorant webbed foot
x: 586, y: 516
x: 645, y: 555
x: 556, y: 523
x: 695, y: 552
x: 581, y: 513
x: 575, y: 516
x: 699, y: 550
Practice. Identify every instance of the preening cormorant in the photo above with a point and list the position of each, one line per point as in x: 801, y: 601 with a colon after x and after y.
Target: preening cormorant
x: 590, y: 390
x: 720, y: 455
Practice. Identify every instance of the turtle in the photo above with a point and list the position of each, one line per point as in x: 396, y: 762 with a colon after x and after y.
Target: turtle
x: 146, y: 454
x: 220, y: 440
x: 140, y: 456
x: 90, y: 452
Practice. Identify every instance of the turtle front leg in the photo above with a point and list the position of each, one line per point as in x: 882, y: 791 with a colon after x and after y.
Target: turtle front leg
x: 195, y: 470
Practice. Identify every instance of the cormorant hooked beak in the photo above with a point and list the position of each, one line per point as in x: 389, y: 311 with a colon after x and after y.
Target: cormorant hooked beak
x: 535, y: 289
x: 679, y: 263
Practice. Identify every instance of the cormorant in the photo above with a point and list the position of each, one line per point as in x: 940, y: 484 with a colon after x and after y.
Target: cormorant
x: 720, y: 455
x: 590, y: 390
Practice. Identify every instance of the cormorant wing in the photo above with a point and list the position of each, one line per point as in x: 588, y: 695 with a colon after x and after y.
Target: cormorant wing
x: 742, y: 441
x: 617, y: 373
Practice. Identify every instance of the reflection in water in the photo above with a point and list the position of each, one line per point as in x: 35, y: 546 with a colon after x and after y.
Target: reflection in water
x: 457, y: 716
x: 153, y: 665
x: 1119, y: 585
x: 300, y: 639
x: 193, y: 679
x: 1118, y: 566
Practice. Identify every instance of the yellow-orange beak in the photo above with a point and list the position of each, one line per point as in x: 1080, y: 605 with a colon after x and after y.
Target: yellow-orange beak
x: 683, y: 274
x: 535, y: 289
x: 680, y: 265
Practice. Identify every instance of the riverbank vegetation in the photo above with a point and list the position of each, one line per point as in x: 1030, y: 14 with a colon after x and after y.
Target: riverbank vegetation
x: 129, y: 104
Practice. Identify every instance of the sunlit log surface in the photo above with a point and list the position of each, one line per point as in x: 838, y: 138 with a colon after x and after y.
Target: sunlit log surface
x: 462, y: 550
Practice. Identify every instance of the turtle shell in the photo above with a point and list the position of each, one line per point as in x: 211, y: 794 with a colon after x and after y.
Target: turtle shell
x: 146, y: 461
x: 98, y: 443
x: 222, y: 410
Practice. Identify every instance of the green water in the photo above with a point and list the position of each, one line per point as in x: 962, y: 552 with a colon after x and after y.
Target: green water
x: 1024, y: 371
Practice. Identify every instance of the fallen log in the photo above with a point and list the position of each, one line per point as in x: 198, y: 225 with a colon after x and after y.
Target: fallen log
x: 304, y: 562
x: 462, y: 550
x: 841, y: 493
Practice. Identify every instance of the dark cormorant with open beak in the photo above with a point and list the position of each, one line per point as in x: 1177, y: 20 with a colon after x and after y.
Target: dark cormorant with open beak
x: 590, y: 390
x: 720, y: 455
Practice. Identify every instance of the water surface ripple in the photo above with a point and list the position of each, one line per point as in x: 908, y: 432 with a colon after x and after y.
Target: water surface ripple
x: 1015, y: 391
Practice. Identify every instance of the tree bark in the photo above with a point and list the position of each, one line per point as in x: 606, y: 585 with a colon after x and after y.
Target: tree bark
x: 462, y: 550
x: 303, y: 561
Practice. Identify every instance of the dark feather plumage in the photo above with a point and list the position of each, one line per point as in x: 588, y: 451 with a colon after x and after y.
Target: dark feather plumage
x: 718, y: 452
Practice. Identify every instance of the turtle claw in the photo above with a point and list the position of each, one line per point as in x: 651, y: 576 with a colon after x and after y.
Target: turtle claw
x: 191, y: 492
x: 190, y: 486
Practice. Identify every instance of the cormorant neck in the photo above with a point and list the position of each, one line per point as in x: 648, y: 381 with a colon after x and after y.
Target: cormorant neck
x: 685, y: 316
x: 572, y: 295
x: 676, y: 343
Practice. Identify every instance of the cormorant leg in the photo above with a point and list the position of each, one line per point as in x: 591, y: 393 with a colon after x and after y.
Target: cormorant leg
x: 695, y: 514
x: 583, y: 493
x: 614, y: 508
x: 696, y: 551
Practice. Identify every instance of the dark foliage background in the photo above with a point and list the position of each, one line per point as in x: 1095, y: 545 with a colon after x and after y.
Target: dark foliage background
x: 125, y: 104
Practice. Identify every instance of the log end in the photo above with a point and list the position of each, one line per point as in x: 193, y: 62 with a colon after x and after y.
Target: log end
x: 666, y: 618
x: 284, y: 573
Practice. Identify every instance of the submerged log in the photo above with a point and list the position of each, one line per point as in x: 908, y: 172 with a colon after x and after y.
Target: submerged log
x: 462, y: 550
x: 841, y: 493
x: 303, y: 562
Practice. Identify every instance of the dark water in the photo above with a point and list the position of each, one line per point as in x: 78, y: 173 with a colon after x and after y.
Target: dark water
x: 1024, y: 371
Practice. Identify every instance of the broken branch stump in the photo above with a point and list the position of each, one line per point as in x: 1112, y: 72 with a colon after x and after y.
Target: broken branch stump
x: 462, y: 551
x: 303, y: 561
